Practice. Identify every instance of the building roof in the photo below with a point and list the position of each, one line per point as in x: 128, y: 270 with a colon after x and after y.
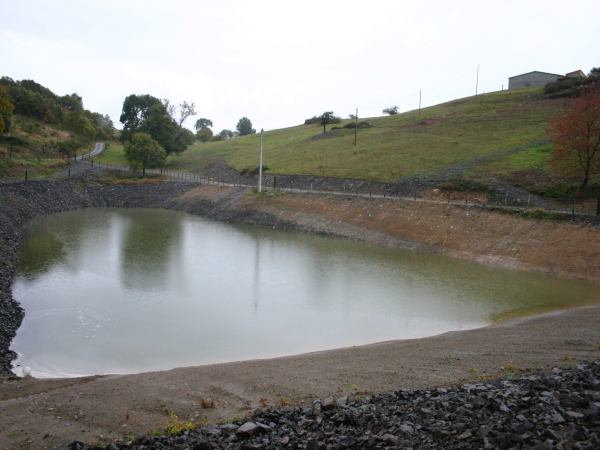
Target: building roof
x: 535, y: 71
x: 576, y: 74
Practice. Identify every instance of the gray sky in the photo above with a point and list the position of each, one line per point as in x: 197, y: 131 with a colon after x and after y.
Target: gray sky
x: 280, y: 62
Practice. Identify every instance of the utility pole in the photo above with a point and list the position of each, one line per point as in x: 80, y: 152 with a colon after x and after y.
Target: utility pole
x: 477, y: 82
x: 419, y: 120
x: 260, y: 164
x: 355, y: 126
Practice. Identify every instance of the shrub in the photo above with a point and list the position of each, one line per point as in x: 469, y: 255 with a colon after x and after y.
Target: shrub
x: 255, y: 170
x: 352, y: 125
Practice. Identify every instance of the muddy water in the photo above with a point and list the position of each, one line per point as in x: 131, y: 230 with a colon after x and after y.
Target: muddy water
x: 132, y: 290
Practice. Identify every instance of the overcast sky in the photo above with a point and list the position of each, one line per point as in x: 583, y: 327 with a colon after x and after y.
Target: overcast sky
x: 280, y: 62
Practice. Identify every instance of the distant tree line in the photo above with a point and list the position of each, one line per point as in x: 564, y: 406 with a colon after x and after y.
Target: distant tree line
x: 31, y: 99
x: 205, y: 134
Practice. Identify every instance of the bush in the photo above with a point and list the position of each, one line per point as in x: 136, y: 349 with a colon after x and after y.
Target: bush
x: 255, y: 170
x: 352, y: 125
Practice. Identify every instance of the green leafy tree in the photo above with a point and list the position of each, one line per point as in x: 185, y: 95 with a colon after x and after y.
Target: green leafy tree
x: 144, y: 152
x: 80, y: 124
x: 147, y: 114
x: 71, y: 102
x: 328, y: 117
x: 136, y: 109
x: 204, y: 135
x: 203, y: 123
x: 188, y: 136
x: 244, y: 127
x: 6, y: 109
x: 226, y: 134
x: 392, y: 110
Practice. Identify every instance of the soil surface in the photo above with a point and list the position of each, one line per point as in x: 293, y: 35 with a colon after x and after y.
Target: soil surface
x: 48, y: 413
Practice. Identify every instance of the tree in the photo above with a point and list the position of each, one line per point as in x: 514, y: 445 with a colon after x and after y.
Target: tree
x: 325, y: 119
x: 143, y: 151
x: 135, y: 110
x: 203, y: 123
x: 204, y: 134
x: 392, y: 110
x: 185, y: 110
x: 71, y: 102
x: 226, y: 134
x: 244, y: 127
x: 577, y: 136
x: 145, y: 113
x: 6, y: 109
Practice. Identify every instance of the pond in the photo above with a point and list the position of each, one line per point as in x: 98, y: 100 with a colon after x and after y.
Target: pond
x: 135, y: 290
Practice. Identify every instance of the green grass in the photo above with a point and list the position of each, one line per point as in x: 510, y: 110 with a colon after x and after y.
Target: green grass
x: 530, y: 158
x: 395, y: 145
x: 113, y: 155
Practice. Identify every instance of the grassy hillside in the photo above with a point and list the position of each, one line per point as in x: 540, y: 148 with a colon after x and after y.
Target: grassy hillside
x: 394, y: 146
x: 32, y: 148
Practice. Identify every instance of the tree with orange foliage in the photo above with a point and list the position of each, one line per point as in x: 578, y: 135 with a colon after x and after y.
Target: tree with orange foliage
x: 577, y: 136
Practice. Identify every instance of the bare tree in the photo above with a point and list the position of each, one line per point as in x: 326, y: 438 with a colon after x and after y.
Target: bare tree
x: 185, y: 111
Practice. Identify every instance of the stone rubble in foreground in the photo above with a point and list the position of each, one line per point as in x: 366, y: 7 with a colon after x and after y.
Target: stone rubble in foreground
x: 556, y: 411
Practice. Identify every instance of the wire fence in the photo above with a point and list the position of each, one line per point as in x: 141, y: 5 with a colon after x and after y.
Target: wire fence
x: 409, y: 190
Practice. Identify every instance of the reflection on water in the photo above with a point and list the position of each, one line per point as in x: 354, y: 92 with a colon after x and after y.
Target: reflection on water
x: 41, y: 251
x: 150, y: 245
x: 129, y: 290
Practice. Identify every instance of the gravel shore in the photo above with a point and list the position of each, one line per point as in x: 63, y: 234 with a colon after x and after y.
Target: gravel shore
x: 556, y: 411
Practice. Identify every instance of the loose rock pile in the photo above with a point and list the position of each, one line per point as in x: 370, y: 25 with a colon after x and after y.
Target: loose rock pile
x: 556, y: 411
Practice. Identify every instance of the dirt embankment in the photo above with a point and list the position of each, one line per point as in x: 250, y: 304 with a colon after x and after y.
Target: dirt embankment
x: 559, y: 248
x: 47, y: 413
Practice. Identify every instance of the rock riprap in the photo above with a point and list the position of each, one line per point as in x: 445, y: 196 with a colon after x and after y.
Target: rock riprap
x: 559, y: 410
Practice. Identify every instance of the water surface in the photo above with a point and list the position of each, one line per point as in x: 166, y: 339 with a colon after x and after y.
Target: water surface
x: 132, y: 290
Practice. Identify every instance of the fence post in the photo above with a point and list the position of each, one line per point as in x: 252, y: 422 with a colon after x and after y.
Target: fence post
x: 384, y: 191
x: 573, y: 211
x: 528, y: 198
x: 506, y: 200
x: 92, y: 162
x: 466, y: 199
x: 370, y: 191
x: 549, y: 204
x: 25, y: 175
x: 598, y: 206
x: 274, y: 182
